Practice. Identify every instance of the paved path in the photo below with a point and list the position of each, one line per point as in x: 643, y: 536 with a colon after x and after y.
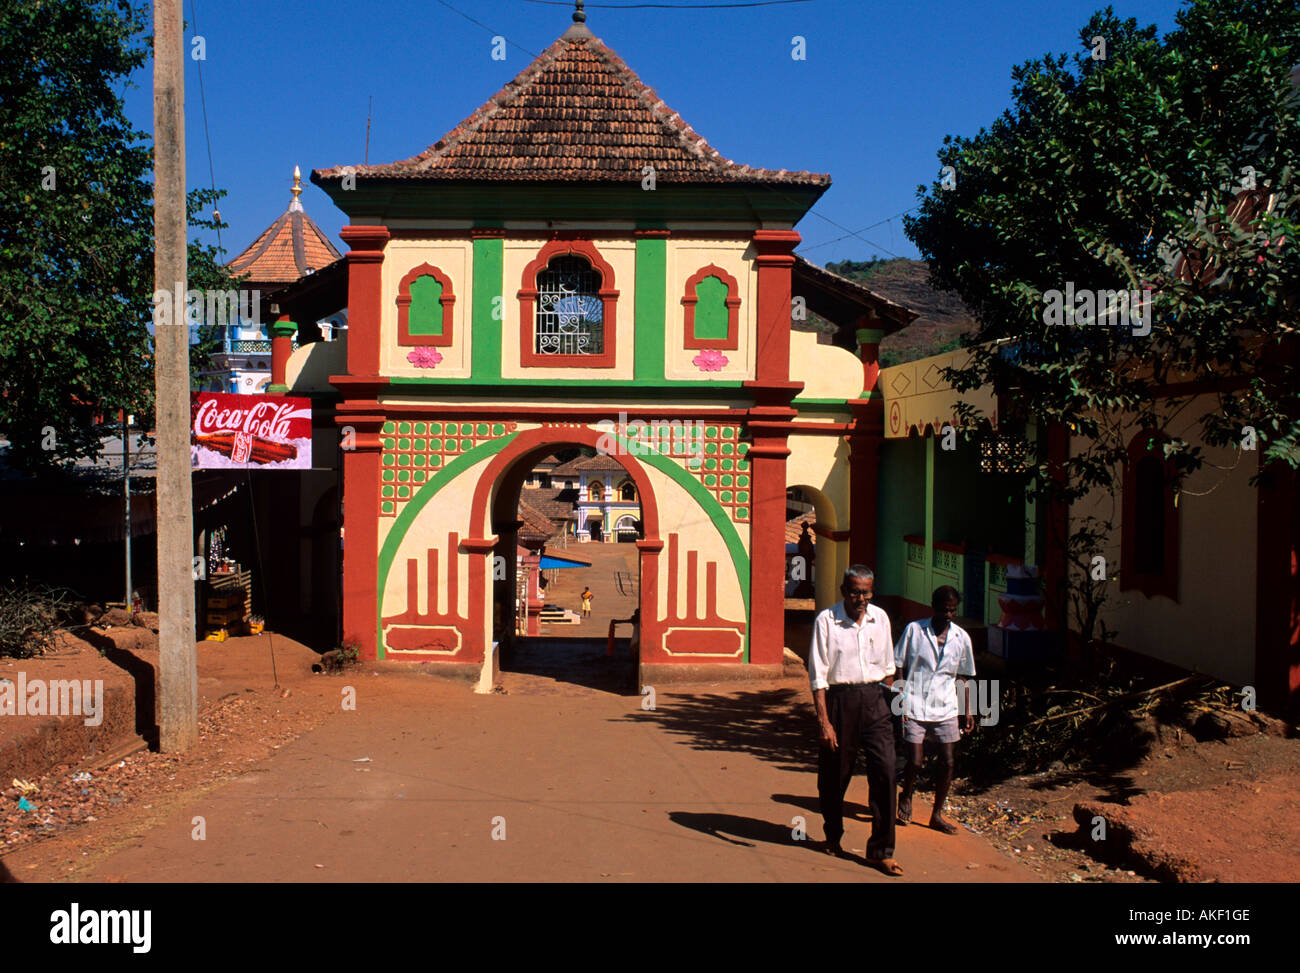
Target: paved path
x: 584, y: 786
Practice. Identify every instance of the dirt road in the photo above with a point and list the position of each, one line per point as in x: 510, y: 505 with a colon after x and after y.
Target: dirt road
x: 425, y: 781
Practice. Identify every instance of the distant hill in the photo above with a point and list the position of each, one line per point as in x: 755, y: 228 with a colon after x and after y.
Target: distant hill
x: 942, y: 317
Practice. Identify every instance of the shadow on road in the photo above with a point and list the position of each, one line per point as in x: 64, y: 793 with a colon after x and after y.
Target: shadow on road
x: 772, y: 724
x: 578, y: 660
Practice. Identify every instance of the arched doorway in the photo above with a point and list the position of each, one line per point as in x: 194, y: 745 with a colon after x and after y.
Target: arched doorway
x: 537, y: 618
x: 830, y: 543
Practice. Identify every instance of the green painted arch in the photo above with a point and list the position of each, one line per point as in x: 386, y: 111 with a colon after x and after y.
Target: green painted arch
x: 418, y: 502
x: 717, y: 515
x: 714, y: 510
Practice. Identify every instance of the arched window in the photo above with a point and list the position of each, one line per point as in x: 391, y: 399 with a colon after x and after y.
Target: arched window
x: 570, y: 319
x: 567, y: 305
x: 595, y: 491
x: 424, y: 308
x: 1149, y: 537
x: 712, y: 309
x: 627, y: 490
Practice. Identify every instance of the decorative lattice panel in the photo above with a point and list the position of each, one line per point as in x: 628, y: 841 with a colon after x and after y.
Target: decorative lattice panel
x: 1002, y: 454
x: 413, y: 451
x: 713, y: 454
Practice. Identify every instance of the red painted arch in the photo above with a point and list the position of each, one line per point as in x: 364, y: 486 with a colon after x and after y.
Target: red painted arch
x: 545, y: 440
x: 447, y: 300
x: 505, y: 471
x: 559, y: 246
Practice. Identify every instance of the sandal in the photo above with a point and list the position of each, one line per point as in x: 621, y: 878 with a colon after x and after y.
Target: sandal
x: 886, y: 865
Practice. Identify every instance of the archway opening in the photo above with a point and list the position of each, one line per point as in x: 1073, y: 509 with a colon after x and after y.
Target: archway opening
x: 566, y: 596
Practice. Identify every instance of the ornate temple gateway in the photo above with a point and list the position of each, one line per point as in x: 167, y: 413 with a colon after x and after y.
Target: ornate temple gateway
x: 574, y: 265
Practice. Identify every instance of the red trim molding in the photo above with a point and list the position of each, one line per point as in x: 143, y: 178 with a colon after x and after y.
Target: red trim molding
x: 773, y: 256
x: 1130, y: 578
x: 732, y: 341
x: 559, y: 246
x: 448, y: 302
x: 365, y: 287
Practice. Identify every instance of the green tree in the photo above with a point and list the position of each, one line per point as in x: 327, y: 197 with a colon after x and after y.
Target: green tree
x: 1130, y: 173
x: 206, y: 271
x: 75, y: 237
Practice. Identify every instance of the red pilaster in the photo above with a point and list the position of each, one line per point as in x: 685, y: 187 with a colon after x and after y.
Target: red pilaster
x: 361, y: 532
x: 769, y: 425
x: 282, y: 332
x: 478, y: 633
x: 651, y: 628
x: 774, y: 258
x: 365, y: 290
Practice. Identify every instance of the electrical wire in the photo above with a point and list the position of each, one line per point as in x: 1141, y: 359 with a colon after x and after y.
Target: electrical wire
x: 207, y: 135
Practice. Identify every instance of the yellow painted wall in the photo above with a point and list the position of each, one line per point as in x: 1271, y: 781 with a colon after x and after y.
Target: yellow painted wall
x: 827, y: 372
x: 916, y: 395
x: 310, y: 366
x: 455, y: 259
x: 620, y: 254
x: 685, y: 257
x: 1211, y: 627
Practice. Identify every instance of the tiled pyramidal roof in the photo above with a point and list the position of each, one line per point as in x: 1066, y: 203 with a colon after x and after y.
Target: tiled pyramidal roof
x: 577, y: 114
x: 291, y: 247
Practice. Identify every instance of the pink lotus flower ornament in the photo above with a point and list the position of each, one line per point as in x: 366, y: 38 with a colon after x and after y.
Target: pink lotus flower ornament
x: 424, y: 357
x: 710, y: 360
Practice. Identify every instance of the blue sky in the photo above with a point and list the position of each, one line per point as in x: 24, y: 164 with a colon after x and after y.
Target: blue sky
x: 288, y: 82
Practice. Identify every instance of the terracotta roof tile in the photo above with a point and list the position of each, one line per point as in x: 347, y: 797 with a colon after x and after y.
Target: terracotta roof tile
x: 577, y: 113
x: 588, y: 463
x: 535, y: 522
x: 290, y: 248
x: 556, y: 502
x: 794, y: 526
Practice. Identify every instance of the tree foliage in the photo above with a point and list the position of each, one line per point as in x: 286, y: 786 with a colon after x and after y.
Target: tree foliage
x: 76, y: 237
x: 1133, y: 173
x: 1102, y: 174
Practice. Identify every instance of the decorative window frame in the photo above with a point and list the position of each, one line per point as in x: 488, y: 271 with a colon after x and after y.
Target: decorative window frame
x: 690, y: 298
x: 560, y: 247
x: 447, y: 300
x: 1130, y: 579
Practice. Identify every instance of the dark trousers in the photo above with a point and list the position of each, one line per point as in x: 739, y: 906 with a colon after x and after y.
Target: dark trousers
x: 860, y: 716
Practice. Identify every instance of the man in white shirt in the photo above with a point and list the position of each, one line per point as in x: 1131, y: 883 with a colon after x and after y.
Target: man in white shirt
x: 850, y: 667
x: 934, y: 658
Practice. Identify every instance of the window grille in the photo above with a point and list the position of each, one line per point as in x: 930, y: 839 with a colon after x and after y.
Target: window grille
x: 1002, y: 454
x: 570, y: 315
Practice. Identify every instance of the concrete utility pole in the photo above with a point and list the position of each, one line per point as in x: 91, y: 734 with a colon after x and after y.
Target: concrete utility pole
x: 126, y: 498
x: 179, y: 706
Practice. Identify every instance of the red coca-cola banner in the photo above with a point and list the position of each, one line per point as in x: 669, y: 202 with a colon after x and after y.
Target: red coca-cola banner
x: 230, y: 431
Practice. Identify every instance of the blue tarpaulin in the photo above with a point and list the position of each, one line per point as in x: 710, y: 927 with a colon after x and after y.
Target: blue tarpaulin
x: 552, y: 561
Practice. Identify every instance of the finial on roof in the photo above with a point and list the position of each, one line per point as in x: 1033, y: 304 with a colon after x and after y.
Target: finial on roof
x: 297, y: 189
x: 579, y: 26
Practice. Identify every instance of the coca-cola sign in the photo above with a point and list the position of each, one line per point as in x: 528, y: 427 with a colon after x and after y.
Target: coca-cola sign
x: 229, y: 431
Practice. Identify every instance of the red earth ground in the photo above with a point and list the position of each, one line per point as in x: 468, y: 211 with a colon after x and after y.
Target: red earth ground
x: 705, y: 787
